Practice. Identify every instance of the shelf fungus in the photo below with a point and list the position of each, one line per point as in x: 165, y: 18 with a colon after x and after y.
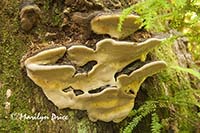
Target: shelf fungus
x: 108, y: 24
x: 29, y: 15
x: 103, y: 90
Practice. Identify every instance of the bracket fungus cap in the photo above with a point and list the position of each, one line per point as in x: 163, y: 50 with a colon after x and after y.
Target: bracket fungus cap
x: 105, y: 96
x: 108, y: 24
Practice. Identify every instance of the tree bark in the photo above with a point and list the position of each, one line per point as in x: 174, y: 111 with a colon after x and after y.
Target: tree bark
x: 20, y: 96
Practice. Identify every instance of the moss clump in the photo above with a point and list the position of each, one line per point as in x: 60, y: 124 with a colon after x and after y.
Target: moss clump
x: 12, y: 48
x: 176, y: 85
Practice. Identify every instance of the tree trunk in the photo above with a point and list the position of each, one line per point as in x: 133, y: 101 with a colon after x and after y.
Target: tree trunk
x: 19, y: 96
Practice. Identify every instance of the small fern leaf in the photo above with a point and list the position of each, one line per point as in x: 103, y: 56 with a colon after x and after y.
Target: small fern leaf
x: 123, y: 16
x: 132, y: 124
x: 139, y: 114
x: 155, y: 125
x: 188, y: 70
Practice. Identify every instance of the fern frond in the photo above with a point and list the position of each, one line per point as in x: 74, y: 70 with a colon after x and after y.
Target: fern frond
x: 152, y: 14
x: 181, y: 98
x: 155, y: 125
x: 145, y: 109
x: 123, y: 16
x: 142, y: 112
x: 188, y: 70
x: 132, y: 124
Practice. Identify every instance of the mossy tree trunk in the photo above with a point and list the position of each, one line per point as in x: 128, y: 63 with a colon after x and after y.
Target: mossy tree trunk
x: 28, y: 98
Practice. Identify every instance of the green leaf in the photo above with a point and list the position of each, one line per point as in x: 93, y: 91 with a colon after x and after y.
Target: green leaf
x: 188, y: 70
x: 155, y: 125
x: 123, y: 16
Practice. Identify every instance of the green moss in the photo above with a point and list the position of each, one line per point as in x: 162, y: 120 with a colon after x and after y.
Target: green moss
x: 52, y: 15
x: 46, y: 5
x: 175, y: 82
x: 12, y: 46
x: 84, y: 126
